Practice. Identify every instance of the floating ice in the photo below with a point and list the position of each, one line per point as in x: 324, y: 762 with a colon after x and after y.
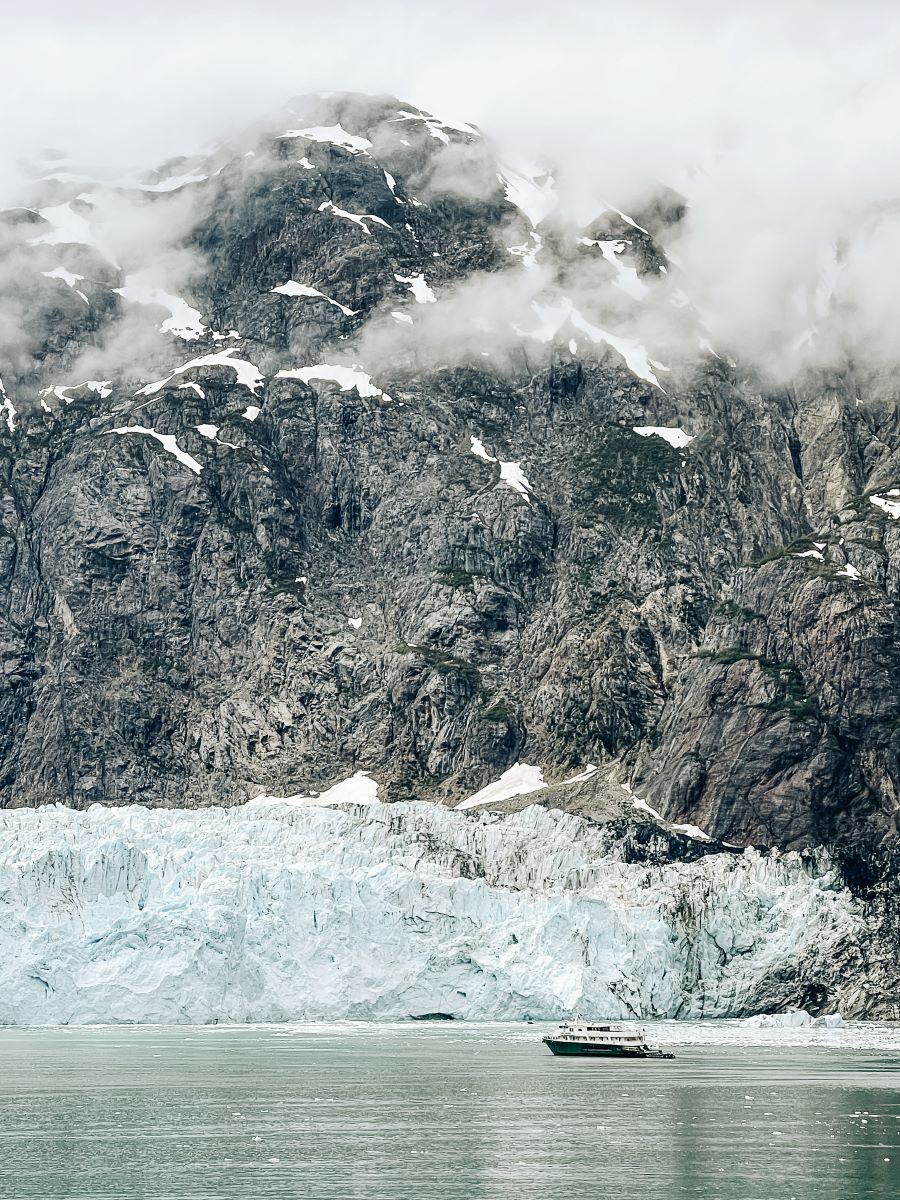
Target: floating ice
x: 247, y: 375
x: 306, y: 911
x: 676, y: 437
x: 519, y: 780
x: 304, y: 290
x: 419, y: 288
x: 511, y: 473
x: 357, y: 218
x: 169, y: 443
x: 888, y: 502
x: 335, y: 134
x: 184, y: 321
x: 346, y: 378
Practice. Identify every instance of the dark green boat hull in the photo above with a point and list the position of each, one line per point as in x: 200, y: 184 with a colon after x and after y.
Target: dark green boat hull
x: 587, y: 1050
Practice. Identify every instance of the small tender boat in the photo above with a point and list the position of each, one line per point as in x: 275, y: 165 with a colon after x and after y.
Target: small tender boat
x: 578, y: 1037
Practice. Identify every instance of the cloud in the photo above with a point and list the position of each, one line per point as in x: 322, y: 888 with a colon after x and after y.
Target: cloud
x: 776, y: 122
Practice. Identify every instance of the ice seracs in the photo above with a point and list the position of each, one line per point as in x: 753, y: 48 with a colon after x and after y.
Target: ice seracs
x: 313, y: 910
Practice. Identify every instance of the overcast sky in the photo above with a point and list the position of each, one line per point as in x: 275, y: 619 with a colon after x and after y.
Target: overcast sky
x: 780, y: 126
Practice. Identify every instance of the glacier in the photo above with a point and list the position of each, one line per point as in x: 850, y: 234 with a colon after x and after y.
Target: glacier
x: 275, y: 913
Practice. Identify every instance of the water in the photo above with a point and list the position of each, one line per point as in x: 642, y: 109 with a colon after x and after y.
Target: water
x: 410, y: 1112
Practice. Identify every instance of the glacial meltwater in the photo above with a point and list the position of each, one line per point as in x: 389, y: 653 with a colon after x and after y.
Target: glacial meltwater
x: 446, y: 1110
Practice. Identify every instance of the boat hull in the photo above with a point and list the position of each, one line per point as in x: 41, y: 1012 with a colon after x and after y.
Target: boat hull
x: 590, y: 1050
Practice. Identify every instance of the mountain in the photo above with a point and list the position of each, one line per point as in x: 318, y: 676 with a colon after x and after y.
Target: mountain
x: 336, y: 452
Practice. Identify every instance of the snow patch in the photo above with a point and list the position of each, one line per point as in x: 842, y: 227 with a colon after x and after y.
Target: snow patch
x: 335, y: 134
x: 69, y: 278
x: 888, y: 502
x: 849, y: 572
x: 535, y: 199
x: 627, y: 278
x: 169, y: 443
x: 7, y: 409
x: 247, y: 375
x: 511, y: 473
x: 304, y: 290
x: 529, y: 250
x: 183, y: 320
x: 347, y: 378
x: 691, y: 831
x: 676, y: 437
x: 419, y: 288
x: 356, y: 218
x: 357, y: 789
x: 588, y: 771
x: 519, y: 780
x: 553, y: 317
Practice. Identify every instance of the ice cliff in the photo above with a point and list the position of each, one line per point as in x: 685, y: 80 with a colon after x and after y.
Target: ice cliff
x: 384, y: 911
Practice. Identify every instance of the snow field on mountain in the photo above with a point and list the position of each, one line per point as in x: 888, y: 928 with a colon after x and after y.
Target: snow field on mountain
x: 278, y: 912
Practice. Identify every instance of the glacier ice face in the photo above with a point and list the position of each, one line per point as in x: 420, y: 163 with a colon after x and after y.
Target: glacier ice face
x: 291, y: 913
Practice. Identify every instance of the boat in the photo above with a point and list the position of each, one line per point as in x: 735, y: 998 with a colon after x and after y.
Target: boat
x: 581, y: 1038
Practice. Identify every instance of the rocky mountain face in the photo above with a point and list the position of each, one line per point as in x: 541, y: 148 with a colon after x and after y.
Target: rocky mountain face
x: 390, y: 490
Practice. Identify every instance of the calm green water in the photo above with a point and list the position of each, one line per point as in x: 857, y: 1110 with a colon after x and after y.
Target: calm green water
x: 414, y: 1112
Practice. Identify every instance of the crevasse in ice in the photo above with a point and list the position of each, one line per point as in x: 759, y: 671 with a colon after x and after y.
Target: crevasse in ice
x: 383, y: 911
